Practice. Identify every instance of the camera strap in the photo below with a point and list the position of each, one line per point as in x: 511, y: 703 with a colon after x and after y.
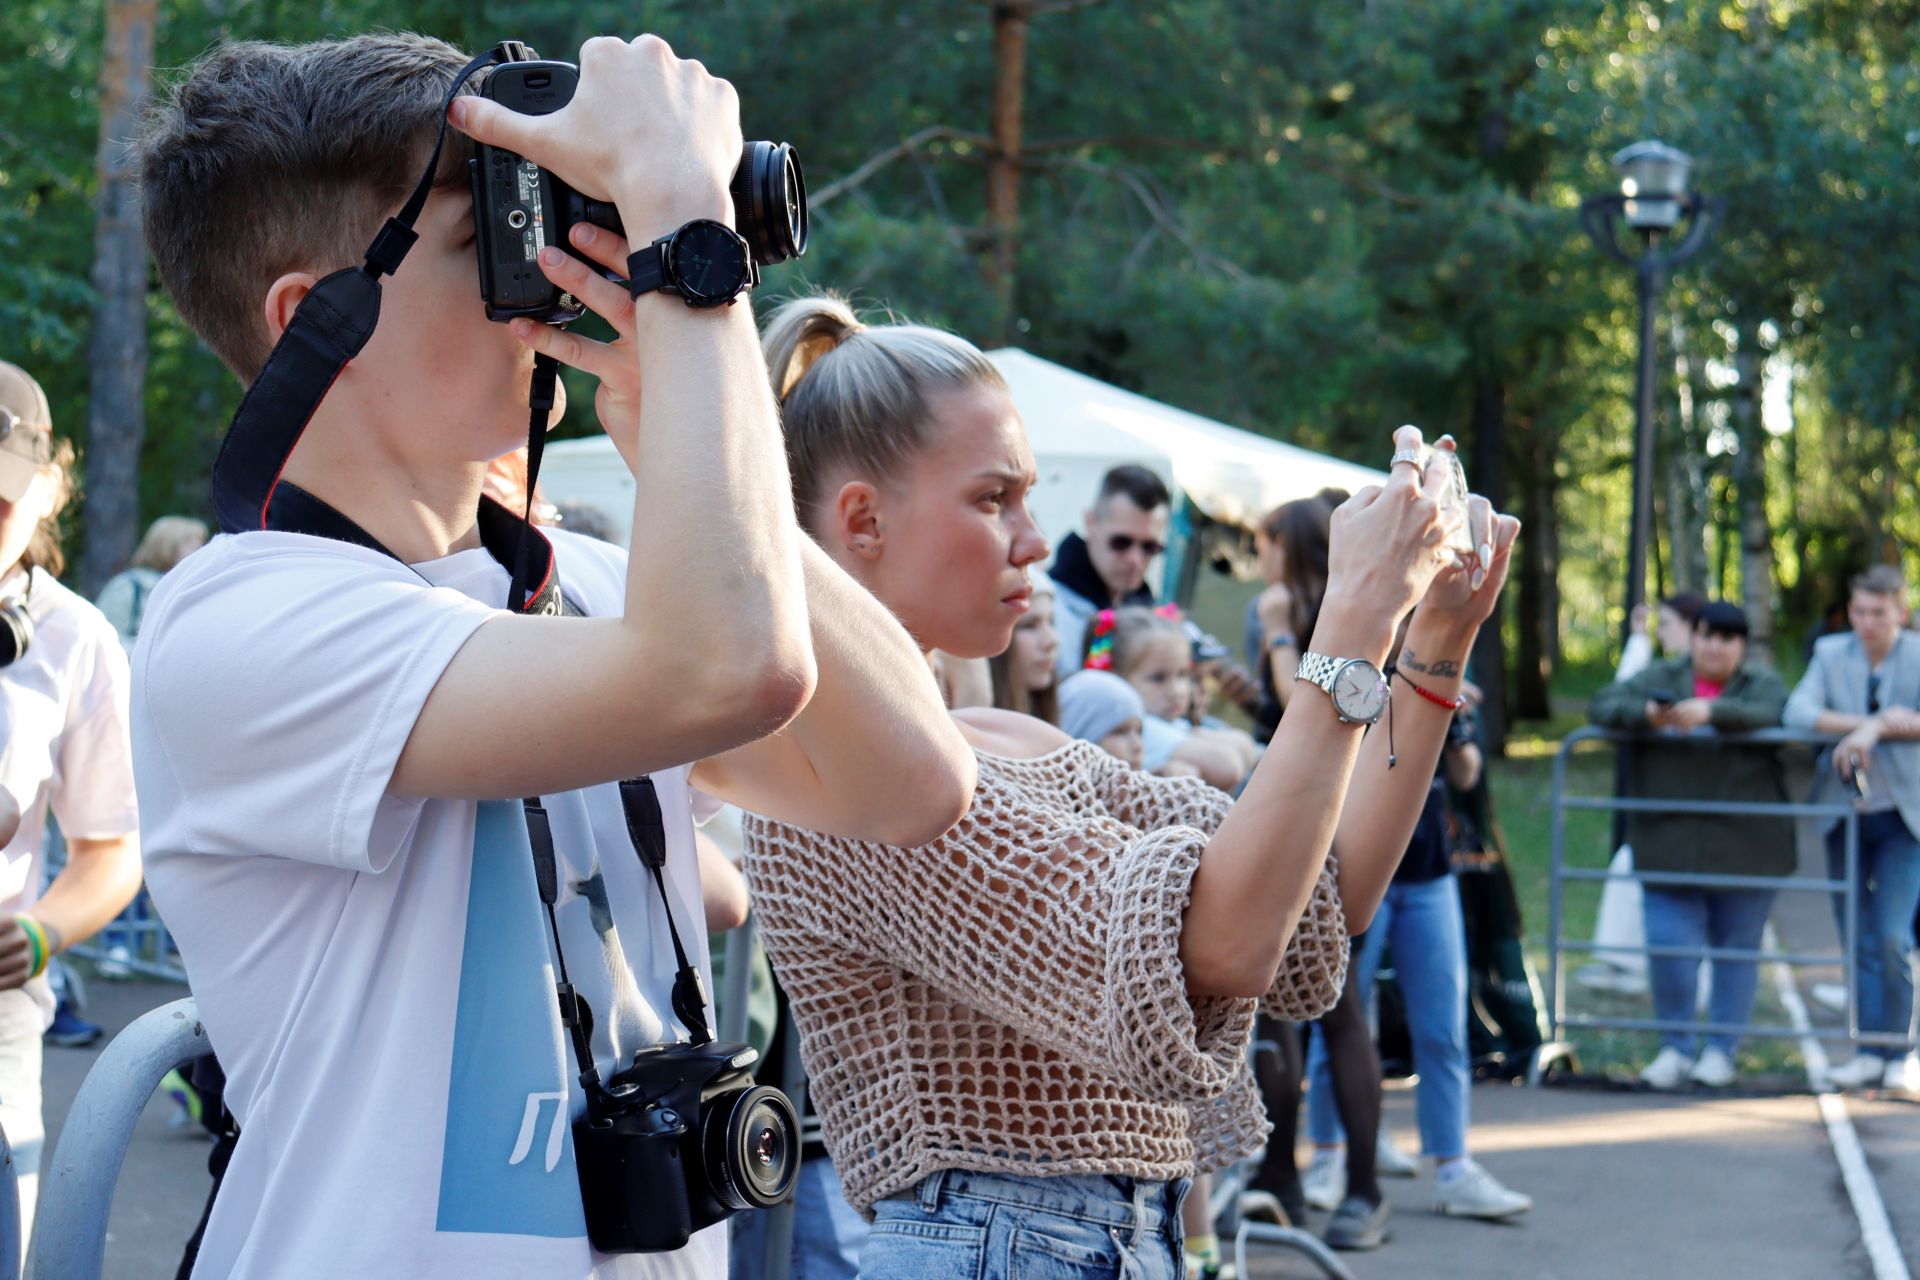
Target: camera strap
x: 647, y: 829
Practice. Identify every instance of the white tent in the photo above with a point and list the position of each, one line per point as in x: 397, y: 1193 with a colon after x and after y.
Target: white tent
x: 1079, y: 427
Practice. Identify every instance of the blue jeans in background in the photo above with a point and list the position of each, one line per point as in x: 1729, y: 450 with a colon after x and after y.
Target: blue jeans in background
x: 1423, y: 923
x: 1680, y: 917
x: 828, y: 1233
x: 984, y: 1226
x: 1889, y: 892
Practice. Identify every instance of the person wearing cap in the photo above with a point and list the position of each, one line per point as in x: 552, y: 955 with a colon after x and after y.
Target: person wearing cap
x: 1685, y: 702
x: 64, y: 695
x: 1101, y: 708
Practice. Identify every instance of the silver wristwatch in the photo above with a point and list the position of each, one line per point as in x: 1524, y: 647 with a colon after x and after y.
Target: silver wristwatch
x: 1358, y: 688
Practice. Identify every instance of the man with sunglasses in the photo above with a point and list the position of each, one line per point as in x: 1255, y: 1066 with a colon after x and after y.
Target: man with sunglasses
x: 1865, y: 683
x: 1107, y: 568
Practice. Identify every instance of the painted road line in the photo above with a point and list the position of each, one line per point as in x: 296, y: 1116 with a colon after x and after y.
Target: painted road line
x: 1876, y: 1229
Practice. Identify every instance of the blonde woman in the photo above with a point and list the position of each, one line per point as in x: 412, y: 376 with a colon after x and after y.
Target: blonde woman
x: 1027, y: 1035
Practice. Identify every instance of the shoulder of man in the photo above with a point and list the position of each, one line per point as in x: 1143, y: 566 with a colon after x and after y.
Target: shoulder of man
x: 1831, y: 647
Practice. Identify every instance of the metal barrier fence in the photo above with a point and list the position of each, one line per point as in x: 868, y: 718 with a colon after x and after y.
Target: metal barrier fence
x: 1561, y: 874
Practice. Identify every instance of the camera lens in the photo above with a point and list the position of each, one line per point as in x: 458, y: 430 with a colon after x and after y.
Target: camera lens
x: 752, y: 1147
x: 770, y: 202
x: 16, y: 633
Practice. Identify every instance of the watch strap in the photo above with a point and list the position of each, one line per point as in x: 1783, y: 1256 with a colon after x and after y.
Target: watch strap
x: 1319, y: 669
x: 647, y: 269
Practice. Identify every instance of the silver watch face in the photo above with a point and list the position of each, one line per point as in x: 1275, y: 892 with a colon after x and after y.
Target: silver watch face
x: 1359, y: 691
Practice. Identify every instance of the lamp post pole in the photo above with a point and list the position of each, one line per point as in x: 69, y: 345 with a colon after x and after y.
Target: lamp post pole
x: 1653, y: 200
x: 1647, y: 275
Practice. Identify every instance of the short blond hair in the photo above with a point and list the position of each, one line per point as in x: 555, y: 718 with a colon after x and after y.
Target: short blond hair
x: 168, y: 541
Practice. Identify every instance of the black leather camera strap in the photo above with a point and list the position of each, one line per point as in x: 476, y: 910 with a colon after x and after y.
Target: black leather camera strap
x: 647, y: 829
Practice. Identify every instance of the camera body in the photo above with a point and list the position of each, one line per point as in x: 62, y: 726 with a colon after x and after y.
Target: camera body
x: 678, y: 1141
x: 519, y: 208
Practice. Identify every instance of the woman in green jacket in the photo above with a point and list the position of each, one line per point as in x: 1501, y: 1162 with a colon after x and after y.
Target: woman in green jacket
x: 1686, y: 703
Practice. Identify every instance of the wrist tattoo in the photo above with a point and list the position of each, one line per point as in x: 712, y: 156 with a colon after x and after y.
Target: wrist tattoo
x: 1441, y: 670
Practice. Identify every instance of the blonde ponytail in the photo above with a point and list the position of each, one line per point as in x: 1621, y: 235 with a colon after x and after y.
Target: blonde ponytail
x: 854, y: 395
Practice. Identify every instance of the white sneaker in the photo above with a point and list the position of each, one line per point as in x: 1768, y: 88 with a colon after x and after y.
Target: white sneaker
x: 1324, y: 1182
x: 1715, y: 1069
x: 1390, y: 1161
x: 1902, y: 1074
x: 1669, y: 1070
x: 1862, y: 1071
x: 1474, y: 1193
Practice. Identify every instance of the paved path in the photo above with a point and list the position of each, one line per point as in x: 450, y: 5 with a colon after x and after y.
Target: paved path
x: 1628, y: 1184
x: 1693, y: 1187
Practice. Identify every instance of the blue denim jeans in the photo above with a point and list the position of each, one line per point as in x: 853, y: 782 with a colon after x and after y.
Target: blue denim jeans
x: 1681, y: 917
x: 1883, y: 952
x: 828, y: 1233
x: 1423, y: 923
x: 990, y: 1226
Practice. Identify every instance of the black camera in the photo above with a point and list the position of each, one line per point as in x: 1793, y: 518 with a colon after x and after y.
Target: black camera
x: 520, y: 208
x: 678, y: 1141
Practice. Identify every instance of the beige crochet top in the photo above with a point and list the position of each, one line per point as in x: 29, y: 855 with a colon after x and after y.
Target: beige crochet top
x: 1010, y: 997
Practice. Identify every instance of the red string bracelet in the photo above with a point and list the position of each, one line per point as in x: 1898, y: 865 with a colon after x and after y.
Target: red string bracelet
x: 1451, y: 704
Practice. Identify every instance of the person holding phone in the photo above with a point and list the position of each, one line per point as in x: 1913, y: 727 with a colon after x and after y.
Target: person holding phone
x: 1685, y: 761
x: 1865, y: 684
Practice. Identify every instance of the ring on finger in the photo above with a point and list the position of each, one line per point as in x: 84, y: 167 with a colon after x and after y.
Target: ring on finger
x: 1411, y: 456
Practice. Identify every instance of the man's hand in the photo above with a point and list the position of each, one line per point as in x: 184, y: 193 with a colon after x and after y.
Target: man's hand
x: 653, y: 132
x: 1690, y: 713
x: 1855, y: 751
x: 1899, y: 723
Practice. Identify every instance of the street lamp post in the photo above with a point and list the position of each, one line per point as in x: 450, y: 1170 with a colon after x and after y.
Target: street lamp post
x: 1653, y: 202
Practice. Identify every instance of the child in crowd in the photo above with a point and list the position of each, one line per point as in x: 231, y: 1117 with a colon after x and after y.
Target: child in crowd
x: 1024, y: 677
x: 1149, y: 649
x: 1101, y: 708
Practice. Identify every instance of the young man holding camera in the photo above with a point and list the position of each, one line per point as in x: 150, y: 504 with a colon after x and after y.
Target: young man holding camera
x: 329, y: 734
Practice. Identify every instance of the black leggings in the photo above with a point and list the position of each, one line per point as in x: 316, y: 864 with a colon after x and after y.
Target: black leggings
x: 1356, y: 1095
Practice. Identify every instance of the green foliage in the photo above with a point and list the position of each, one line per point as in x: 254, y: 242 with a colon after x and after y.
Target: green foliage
x: 1315, y: 221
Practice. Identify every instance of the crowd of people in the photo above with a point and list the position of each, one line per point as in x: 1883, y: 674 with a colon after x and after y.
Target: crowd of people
x: 1059, y: 939
x: 1861, y: 686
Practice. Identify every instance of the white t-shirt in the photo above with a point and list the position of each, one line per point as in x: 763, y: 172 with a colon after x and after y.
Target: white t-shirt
x: 66, y: 744
x: 374, y: 971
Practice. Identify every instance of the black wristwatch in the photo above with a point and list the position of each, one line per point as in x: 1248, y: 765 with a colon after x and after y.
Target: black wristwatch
x: 707, y: 263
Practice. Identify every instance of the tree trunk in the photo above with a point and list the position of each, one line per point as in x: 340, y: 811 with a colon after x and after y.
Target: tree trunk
x: 1686, y: 479
x: 1011, y: 20
x: 1537, y: 602
x: 1490, y: 479
x: 1750, y: 473
x: 117, y: 357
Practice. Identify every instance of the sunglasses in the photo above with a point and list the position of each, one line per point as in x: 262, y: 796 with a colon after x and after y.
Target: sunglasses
x: 1873, y: 695
x: 1121, y: 543
x: 10, y: 421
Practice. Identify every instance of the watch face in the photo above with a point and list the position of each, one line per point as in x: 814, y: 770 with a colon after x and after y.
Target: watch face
x: 1360, y: 692
x: 709, y: 261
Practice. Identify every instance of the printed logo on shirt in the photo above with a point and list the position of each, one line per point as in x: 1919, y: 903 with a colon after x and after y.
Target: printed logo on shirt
x: 507, y: 1166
